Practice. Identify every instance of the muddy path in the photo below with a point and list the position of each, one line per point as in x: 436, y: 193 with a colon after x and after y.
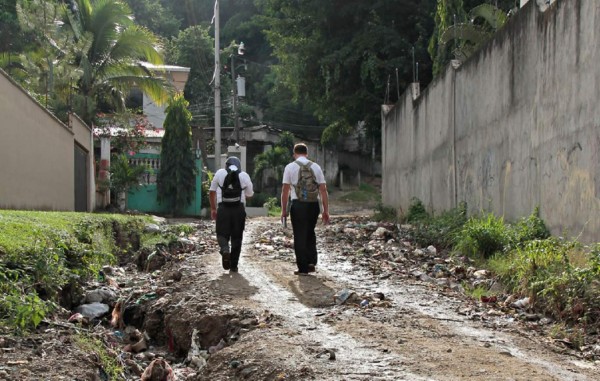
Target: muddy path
x: 265, y: 323
x: 416, y: 333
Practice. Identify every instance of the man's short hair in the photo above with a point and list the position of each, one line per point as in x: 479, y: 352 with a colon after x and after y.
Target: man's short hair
x: 301, y: 149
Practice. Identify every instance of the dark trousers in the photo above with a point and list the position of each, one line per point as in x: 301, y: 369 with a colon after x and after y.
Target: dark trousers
x: 304, y: 216
x: 231, y: 221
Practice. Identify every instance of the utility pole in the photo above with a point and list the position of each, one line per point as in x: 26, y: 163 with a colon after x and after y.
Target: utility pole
x: 217, y: 91
x: 235, y: 114
x: 234, y: 82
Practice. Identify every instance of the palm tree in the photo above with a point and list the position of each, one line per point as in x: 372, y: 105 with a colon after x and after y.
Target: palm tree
x: 100, y: 39
x: 274, y: 159
x: 471, y: 35
x: 110, y: 48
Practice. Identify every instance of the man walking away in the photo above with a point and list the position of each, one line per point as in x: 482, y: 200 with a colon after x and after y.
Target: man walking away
x: 229, y: 189
x: 305, y: 182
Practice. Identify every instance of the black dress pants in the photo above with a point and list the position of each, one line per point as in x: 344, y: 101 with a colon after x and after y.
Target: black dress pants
x: 304, y: 216
x: 231, y: 221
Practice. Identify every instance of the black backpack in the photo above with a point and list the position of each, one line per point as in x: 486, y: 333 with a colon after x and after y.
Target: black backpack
x: 231, y: 190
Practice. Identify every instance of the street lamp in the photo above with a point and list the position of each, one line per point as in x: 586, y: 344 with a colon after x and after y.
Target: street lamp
x: 236, y: 82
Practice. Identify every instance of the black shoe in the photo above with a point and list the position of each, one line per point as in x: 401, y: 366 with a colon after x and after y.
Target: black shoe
x: 312, y: 268
x: 233, y: 270
x: 225, y: 259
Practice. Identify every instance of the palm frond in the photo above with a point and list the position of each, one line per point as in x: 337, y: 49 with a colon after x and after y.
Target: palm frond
x: 465, y: 32
x: 136, y: 42
x: 495, y: 17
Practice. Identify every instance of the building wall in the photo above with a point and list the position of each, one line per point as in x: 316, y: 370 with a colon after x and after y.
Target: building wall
x: 514, y: 127
x: 36, y: 151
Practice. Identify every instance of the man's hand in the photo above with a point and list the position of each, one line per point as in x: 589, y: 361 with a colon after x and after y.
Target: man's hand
x: 325, y: 217
x: 213, y: 214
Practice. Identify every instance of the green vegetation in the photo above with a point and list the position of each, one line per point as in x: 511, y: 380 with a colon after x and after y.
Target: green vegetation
x: 42, y: 253
x: 562, y: 277
x: 107, y: 359
x: 384, y: 213
x: 439, y: 231
x: 273, y: 205
x: 364, y: 193
x: 176, y: 182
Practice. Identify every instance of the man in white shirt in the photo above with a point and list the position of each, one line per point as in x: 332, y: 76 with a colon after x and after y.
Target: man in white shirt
x: 229, y: 189
x: 305, y: 209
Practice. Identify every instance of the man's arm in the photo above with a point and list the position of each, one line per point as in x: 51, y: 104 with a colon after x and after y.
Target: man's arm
x: 325, y: 202
x: 212, y: 197
x: 285, y: 194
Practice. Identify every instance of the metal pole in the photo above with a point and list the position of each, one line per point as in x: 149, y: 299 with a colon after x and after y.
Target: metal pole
x: 217, y: 91
x: 235, y: 115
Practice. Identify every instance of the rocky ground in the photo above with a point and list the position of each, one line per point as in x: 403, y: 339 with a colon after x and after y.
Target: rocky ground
x: 378, y: 308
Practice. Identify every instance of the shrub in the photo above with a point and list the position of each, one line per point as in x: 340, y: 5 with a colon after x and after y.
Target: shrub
x: 483, y: 236
x: 530, y: 228
x: 204, y: 196
x: 417, y: 211
x: 439, y: 231
x: 273, y: 206
x: 384, y: 213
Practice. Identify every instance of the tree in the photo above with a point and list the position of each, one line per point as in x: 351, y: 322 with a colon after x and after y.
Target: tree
x: 123, y: 177
x: 337, y: 55
x: 100, y: 49
x: 154, y: 16
x: 469, y: 36
x: 194, y: 48
x: 176, y: 180
x: 458, y: 33
x: 111, y: 47
x: 274, y: 159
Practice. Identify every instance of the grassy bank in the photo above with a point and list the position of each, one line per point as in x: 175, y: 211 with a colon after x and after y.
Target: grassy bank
x: 44, y: 253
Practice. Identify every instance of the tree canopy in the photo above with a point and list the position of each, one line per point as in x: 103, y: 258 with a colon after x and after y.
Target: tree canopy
x: 337, y: 55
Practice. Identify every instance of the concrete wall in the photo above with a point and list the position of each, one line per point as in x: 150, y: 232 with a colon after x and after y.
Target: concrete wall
x: 36, y: 170
x: 515, y: 127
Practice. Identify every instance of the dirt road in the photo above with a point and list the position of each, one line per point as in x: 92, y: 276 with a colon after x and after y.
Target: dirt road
x: 417, y: 334
x: 265, y: 323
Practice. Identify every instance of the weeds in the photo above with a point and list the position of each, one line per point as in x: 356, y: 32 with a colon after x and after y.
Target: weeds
x: 439, y: 231
x: 562, y: 277
x: 107, y: 360
x: 273, y: 207
x: 483, y: 236
x: 384, y: 213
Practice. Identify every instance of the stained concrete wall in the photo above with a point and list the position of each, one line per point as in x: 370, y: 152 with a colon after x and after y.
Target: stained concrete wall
x: 37, y: 170
x: 37, y: 153
x: 514, y: 127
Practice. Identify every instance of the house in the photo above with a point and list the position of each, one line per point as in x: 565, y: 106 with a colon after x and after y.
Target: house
x: 46, y: 164
x: 144, y: 197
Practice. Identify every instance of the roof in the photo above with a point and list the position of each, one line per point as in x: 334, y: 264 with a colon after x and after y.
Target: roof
x: 171, y: 68
x: 116, y: 131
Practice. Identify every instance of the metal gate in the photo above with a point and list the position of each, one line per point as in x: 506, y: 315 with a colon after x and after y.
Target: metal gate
x: 81, y: 179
